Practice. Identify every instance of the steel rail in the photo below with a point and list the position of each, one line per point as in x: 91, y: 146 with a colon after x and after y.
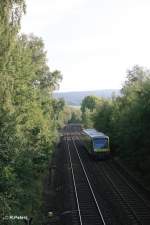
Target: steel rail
x: 91, y: 189
x: 129, y: 185
x: 115, y: 187
x: 74, y: 183
x: 119, y: 193
x: 121, y: 196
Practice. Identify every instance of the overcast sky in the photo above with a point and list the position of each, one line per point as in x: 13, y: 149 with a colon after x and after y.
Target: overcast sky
x: 92, y: 42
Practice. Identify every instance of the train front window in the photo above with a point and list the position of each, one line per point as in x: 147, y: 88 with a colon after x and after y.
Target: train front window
x: 100, y: 142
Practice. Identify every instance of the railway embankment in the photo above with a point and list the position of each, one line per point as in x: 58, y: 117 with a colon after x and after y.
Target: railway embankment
x: 56, y: 196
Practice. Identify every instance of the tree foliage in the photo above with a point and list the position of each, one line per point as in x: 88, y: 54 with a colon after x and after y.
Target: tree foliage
x: 89, y: 102
x: 28, y: 127
x: 75, y: 116
x: 126, y: 119
x: 88, y: 106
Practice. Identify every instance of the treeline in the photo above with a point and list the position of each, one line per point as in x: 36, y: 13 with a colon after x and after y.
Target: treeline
x: 126, y: 119
x: 29, y: 116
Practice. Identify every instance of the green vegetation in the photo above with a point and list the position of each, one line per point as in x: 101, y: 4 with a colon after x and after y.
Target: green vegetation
x: 126, y: 119
x: 75, y: 98
x: 88, y: 106
x: 75, y: 115
x: 64, y: 113
x: 89, y: 102
x: 29, y: 116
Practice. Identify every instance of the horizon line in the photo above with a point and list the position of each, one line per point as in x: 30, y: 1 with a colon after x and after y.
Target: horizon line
x: 86, y: 90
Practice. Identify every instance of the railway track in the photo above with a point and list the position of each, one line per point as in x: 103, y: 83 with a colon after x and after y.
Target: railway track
x: 89, y: 211
x: 136, y: 207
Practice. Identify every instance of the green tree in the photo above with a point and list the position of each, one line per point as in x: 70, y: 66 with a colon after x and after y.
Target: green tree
x: 102, y: 116
x: 88, y: 106
x: 28, y: 129
x: 89, y: 102
x: 75, y: 115
x: 126, y: 120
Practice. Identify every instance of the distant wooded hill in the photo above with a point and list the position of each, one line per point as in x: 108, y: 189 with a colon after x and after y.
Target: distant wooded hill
x: 75, y: 98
